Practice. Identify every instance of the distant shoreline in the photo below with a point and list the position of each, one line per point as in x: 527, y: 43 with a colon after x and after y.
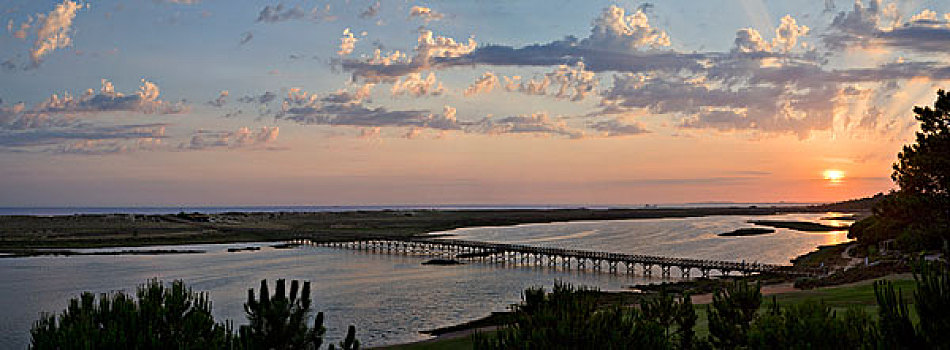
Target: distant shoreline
x: 162, y: 210
x: 135, y: 230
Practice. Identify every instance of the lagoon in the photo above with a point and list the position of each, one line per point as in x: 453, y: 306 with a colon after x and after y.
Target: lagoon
x: 390, y: 298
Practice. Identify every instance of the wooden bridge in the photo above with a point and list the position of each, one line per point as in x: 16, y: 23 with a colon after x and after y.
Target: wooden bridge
x: 505, y: 253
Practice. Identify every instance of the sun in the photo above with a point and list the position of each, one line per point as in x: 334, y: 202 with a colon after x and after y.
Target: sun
x: 835, y: 176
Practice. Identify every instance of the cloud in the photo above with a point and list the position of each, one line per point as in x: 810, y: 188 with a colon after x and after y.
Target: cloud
x: 617, y: 42
x: 53, y: 30
x: 574, y: 83
x: 765, y: 85
x: 346, y: 108
x: 535, y: 123
x: 262, y: 99
x: 861, y: 24
x: 749, y: 40
x: 88, y: 139
x: 180, y: 2
x: 347, y: 43
x: 877, y: 24
x: 8, y: 65
x: 614, y: 127
x: 62, y: 110
x: 616, y: 30
x: 371, y: 133
x: 84, y: 139
x: 484, y: 84
x: 412, y: 133
x: 387, y: 67
x: 425, y: 13
x: 918, y: 37
x: 307, y: 108
x: 361, y: 94
x: 246, y: 38
x: 371, y: 11
x: 414, y: 85
x: 221, y: 100
x: 22, y: 30
x: 765, y: 99
x: 431, y: 46
x: 281, y: 13
x: 242, y: 138
x: 787, y: 34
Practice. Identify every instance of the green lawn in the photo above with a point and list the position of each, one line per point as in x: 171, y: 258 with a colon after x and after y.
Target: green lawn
x: 463, y: 343
x: 861, y: 294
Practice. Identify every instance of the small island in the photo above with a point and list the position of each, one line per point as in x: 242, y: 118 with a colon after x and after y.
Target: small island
x: 754, y: 231
x: 442, y: 262
x: 245, y: 249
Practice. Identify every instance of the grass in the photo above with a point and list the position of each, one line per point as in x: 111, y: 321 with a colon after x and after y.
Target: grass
x: 462, y: 343
x: 858, y: 294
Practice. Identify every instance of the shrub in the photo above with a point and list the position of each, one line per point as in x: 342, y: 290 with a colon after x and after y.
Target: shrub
x: 159, y: 317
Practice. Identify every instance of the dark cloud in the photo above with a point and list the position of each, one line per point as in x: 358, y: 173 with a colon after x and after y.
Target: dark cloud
x: 875, y: 23
x: 246, y: 37
x: 569, y: 52
x: 233, y: 114
x: 829, y: 6
x: 264, y: 98
x: 280, y: 13
x: 181, y: 2
x: 536, y: 123
x: 8, y: 65
x: 242, y: 138
x: 305, y: 108
x: 891, y: 71
x: 221, y: 100
x: 920, y: 38
x: 84, y: 139
x: 348, y: 109
x: 371, y: 11
x: 615, y: 127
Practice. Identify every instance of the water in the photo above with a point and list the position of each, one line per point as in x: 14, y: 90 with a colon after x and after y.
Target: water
x: 389, y: 298
x: 674, y: 237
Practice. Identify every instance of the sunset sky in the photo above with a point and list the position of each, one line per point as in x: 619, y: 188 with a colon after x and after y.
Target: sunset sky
x: 215, y: 102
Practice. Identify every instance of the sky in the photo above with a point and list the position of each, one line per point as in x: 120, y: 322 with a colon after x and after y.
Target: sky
x: 214, y: 102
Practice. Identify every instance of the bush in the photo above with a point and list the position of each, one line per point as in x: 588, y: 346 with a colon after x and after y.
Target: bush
x: 811, y: 325
x: 280, y: 321
x: 159, y: 317
x: 568, y: 318
x: 731, y: 314
x: 175, y: 317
